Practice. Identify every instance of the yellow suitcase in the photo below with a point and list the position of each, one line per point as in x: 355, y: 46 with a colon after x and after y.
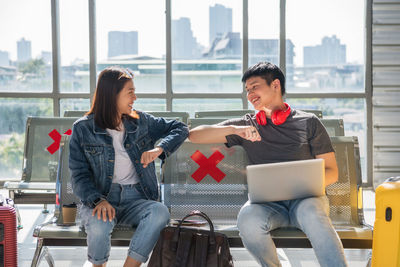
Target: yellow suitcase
x: 386, y: 240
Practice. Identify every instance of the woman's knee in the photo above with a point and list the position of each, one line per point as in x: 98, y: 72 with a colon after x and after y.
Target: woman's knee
x: 99, y: 228
x: 160, y: 214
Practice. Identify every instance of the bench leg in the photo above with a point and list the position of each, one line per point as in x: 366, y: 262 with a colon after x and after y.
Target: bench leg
x: 48, y: 257
x: 38, y: 252
x: 41, y: 252
x: 45, y: 210
x: 11, y: 194
x: 19, y: 223
x: 369, y: 262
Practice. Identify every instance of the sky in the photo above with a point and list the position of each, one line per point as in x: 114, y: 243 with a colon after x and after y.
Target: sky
x: 307, y: 22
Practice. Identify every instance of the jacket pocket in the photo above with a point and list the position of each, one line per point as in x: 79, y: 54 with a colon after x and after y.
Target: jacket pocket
x: 93, y: 150
x: 144, y: 143
x: 95, y: 156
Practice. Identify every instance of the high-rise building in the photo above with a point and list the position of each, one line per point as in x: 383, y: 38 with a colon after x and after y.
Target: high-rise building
x: 229, y: 46
x: 220, y: 22
x: 122, y: 43
x: 329, y: 52
x: 4, y: 59
x: 24, y: 50
x: 184, y: 44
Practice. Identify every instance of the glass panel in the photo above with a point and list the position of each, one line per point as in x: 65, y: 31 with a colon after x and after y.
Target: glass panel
x: 263, y: 33
x: 328, y: 45
x: 133, y: 37
x: 74, y: 46
x: 147, y: 104
x: 192, y: 105
x: 25, y: 47
x: 351, y: 110
x: 13, y: 114
x: 206, y: 46
x: 74, y: 104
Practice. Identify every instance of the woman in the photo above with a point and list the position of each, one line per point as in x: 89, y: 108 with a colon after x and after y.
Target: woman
x: 112, y: 169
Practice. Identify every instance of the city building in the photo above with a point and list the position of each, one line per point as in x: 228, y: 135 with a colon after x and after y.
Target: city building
x: 220, y: 22
x: 184, y: 44
x: 46, y: 57
x: 4, y: 58
x: 122, y: 43
x: 329, y: 52
x: 24, y: 50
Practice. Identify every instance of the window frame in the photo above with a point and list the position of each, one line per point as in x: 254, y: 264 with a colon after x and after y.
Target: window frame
x: 169, y: 95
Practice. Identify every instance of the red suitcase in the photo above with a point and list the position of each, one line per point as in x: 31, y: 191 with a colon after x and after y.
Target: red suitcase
x: 8, y: 234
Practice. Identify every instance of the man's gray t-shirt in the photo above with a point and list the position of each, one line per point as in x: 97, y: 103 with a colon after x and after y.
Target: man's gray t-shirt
x: 302, y: 136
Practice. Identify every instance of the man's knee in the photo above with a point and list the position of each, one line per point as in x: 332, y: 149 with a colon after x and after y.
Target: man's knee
x: 251, y: 221
x: 314, y: 206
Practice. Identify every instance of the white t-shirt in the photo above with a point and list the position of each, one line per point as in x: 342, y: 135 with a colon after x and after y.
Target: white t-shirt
x: 124, y: 171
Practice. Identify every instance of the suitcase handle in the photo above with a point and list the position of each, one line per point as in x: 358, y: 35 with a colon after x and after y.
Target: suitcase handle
x: 393, y: 179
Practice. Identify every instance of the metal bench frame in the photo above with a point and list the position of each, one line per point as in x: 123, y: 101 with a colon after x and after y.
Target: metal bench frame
x: 353, y: 235
x: 29, y: 190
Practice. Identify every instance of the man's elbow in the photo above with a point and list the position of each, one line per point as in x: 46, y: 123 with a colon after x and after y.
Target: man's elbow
x: 335, y: 179
x: 333, y: 176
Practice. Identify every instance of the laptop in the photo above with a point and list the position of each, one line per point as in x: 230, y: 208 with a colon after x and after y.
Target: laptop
x: 286, y: 180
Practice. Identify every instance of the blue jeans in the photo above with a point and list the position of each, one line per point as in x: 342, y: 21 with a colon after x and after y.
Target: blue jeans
x: 131, y: 209
x: 255, y: 221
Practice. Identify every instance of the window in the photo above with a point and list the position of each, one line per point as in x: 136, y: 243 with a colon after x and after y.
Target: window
x: 132, y: 34
x: 74, y: 46
x: 25, y: 48
x: 13, y: 114
x: 153, y: 104
x: 264, y: 31
x: 206, y: 54
x: 206, y: 46
x: 192, y: 105
x: 69, y: 104
x: 328, y: 46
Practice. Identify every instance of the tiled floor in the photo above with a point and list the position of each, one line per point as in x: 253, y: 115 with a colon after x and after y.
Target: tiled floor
x: 69, y: 256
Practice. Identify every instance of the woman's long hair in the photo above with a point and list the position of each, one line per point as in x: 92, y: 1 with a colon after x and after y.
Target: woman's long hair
x: 109, y: 84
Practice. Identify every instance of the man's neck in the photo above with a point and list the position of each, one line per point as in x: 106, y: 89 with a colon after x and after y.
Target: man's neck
x: 274, y: 106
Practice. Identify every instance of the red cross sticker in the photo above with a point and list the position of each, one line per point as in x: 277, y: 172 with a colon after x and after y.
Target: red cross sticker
x: 208, y: 166
x: 56, y: 136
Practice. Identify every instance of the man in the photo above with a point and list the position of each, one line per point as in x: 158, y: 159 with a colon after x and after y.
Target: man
x: 278, y: 133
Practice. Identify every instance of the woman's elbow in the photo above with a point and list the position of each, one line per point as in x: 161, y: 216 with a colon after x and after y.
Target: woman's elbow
x: 192, y: 136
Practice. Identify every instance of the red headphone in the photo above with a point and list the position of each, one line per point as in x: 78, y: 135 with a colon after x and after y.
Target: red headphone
x: 278, y: 116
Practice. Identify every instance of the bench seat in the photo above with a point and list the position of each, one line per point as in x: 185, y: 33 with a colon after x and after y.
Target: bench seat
x: 30, y: 186
x: 351, y: 236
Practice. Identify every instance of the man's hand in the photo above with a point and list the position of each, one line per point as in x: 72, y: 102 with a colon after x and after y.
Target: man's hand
x: 103, y: 209
x: 149, y: 156
x: 247, y: 132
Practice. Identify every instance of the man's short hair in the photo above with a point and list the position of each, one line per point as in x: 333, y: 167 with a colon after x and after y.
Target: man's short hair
x: 268, y: 71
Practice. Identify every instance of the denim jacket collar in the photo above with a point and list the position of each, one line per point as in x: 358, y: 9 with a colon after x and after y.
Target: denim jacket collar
x: 129, y: 124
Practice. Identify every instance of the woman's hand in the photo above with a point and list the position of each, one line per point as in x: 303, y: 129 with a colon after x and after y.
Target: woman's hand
x: 103, y: 209
x: 149, y: 156
x: 247, y: 132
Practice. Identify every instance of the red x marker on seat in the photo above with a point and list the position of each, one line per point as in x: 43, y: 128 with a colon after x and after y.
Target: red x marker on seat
x: 56, y: 136
x: 208, y: 166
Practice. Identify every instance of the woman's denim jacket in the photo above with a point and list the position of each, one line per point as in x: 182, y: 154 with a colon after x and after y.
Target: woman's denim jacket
x: 91, y: 159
